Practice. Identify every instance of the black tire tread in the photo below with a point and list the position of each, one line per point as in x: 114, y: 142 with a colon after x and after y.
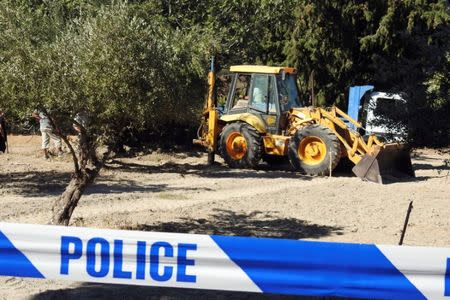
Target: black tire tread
x: 254, y: 145
x: 330, y: 139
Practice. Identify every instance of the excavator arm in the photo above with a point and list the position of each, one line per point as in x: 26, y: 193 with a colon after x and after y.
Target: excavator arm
x: 208, y: 130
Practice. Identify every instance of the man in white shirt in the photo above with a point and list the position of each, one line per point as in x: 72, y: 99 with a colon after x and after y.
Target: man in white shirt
x: 261, y: 96
x: 258, y: 96
x: 47, y: 133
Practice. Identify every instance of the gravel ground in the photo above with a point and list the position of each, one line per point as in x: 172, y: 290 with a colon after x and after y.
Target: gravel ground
x: 177, y: 192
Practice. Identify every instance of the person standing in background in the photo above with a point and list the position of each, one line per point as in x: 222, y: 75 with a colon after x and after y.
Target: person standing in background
x: 47, y: 133
x: 3, y: 133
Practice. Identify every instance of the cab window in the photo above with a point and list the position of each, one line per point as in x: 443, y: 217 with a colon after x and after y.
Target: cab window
x: 241, y: 92
x: 263, y: 96
x: 288, y: 92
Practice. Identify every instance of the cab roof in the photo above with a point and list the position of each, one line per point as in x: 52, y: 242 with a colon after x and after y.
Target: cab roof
x: 261, y: 69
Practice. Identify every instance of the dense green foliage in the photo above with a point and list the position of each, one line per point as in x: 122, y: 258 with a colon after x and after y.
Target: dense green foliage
x: 142, y: 64
x: 394, y: 45
x: 121, y: 69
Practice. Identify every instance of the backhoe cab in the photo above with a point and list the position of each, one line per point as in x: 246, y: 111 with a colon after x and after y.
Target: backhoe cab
x: 264, y: 117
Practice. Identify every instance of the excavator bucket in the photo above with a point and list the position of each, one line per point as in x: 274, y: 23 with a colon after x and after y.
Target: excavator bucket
x: 390, y: 160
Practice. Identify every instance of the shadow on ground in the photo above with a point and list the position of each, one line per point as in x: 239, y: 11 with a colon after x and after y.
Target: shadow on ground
x: 52, y: 183
x: 431, y: 167
x: 35, y: 183
x: 278, y: 170
x: 91, y: 291
x: 215, y: 171
x: 257, y: 224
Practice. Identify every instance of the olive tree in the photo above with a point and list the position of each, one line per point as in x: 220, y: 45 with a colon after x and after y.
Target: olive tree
x: 109, y: 65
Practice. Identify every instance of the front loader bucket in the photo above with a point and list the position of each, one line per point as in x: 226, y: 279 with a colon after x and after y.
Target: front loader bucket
x: 391, y: 160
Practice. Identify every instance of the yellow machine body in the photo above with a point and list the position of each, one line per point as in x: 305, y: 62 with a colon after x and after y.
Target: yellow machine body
x: 262, y: 69
x: 209, y: 130
x: 372, y: 158
x: 276, y: 144
x: 249, y: 118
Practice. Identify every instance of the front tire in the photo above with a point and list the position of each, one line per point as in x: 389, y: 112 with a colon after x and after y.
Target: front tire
x: 240, y: 145
x: 312, y: 148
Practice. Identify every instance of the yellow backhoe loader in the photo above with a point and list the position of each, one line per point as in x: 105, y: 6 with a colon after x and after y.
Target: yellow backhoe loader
x: 263, y: 117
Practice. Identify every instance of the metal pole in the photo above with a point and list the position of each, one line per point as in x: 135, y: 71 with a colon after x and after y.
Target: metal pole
x: 405, y: 225
x: 330, y: 164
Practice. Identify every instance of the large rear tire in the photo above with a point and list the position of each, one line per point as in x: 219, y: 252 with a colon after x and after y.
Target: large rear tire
x: 240, y: 145
x: 312, y: 148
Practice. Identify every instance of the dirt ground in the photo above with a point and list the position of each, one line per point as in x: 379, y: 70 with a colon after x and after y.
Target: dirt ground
x: 177, y: 192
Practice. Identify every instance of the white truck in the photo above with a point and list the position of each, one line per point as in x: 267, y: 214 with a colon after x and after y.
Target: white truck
x: 378, y: 112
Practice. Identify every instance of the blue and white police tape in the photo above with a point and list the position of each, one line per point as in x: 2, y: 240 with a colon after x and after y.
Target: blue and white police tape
x: 224, y: 263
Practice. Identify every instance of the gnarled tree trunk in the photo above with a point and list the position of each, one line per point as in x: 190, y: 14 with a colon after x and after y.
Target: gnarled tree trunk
x: 65, y: 204
x: 87, y: 168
